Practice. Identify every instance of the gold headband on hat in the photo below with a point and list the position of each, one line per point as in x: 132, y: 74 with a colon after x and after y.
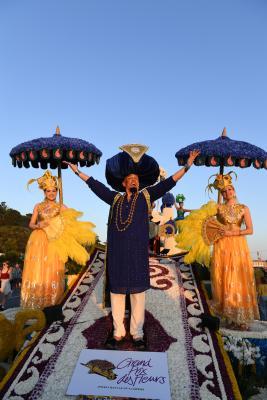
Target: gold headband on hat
x: 46, y: 181
x: 221, y: 181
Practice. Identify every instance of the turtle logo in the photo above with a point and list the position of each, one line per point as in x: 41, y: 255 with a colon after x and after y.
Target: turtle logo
x: 101, y: 367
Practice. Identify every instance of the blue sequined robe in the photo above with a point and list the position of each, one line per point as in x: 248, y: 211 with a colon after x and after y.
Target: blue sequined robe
x: 127, y: 252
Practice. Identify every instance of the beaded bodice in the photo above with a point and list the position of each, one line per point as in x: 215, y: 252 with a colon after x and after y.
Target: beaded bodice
x: 47, y: 210
x: 231, y: 214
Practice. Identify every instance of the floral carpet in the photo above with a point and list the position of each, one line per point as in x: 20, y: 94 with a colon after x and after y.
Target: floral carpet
x: 198, y: 365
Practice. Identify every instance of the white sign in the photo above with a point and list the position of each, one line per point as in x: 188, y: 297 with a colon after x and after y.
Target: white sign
x: 121, y: 373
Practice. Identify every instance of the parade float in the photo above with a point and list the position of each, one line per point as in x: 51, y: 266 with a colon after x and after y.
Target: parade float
x: 202, y: 363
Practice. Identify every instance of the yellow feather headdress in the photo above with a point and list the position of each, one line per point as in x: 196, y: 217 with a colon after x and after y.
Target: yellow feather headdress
x: 45, y: 181
x: 221, y: 181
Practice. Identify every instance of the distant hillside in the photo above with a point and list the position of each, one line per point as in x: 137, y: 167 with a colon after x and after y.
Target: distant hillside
x: 14, y: 233
x: 9, y: 216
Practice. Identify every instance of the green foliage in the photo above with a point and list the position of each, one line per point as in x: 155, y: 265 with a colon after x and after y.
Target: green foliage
x: 13, y: 257
x: 72, y: 268
x: 13, y: 238
x: 9, y: 216
x: 14, y: 233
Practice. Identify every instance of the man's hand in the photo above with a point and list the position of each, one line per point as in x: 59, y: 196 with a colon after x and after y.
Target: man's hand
x: 192, y: 156
x: 72, y: 166
x: 75, y: 169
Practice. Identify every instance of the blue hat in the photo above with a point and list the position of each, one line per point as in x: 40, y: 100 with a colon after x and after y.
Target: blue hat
x: 168, y: 199
x: 131, y: 161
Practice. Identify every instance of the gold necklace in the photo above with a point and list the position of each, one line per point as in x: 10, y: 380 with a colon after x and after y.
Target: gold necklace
x: 118, y: 216
x: 231, y: 209
x: 46, y: 205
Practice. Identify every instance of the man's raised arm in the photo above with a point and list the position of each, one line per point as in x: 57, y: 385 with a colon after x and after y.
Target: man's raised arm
x: 103, y: 192
x: 158, y: 190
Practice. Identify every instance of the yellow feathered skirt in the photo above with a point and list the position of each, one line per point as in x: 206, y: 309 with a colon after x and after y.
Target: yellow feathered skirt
x: 43, y: 279
x: 232, y: 275
x: 233, y: 284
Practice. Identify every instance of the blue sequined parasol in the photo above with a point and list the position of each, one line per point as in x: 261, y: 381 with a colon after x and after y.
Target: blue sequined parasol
x: 49, y: 152
x: 224, y: 151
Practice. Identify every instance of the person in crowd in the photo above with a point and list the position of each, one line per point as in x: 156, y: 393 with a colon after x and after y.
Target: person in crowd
x: 262, y: 296
x: 5, y: 288
x: 16, y: 275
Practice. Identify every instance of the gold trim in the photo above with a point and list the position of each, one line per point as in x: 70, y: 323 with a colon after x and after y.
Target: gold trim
x: 105, y: 278
x: 147, y: 197
x: 135, y: 151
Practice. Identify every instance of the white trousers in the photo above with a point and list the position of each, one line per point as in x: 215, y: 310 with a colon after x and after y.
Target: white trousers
x: 137, y: 314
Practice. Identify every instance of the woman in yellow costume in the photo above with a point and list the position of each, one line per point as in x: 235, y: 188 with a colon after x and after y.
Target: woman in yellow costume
x: 56, y: 236
x: 232, y: 277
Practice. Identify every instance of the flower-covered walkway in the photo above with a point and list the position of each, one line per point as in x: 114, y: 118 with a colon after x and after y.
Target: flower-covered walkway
x: 198, y: 366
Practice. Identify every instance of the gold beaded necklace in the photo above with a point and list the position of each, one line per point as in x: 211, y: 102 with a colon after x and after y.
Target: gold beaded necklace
x: 118, y: 216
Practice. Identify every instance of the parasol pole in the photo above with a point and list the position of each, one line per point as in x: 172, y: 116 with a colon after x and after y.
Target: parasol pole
x: 59, y: 174
x: 219, y: 201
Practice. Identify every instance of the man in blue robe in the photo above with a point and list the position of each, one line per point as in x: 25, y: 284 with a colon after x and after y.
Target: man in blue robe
x: 128, y: 231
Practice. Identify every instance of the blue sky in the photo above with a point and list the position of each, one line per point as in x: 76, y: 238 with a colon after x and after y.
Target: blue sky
x: 163, y: 73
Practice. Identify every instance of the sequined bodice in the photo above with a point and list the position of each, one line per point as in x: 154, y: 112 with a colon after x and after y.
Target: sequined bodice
x: 231, y: 214
x: 48, y: 210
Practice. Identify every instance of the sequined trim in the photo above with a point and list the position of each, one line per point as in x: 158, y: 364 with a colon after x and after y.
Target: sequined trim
x: 40, y: 295
x: 147, y: 197
x: 48, y: 210
x: 231, y: 214
x: 116, y: 198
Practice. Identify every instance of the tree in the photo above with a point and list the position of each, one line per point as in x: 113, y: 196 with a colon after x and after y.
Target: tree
x: 14, y: 233
x: 9, y: 216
